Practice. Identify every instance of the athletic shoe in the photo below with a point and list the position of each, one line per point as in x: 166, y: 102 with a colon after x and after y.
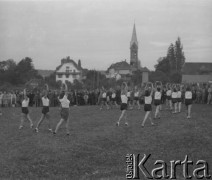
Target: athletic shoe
x: 153, y: 124
x: 31, y: 126
x: 36, y: 130
x: 20, y: 127
x: 142, y: 126
x: 126, y: 124
x: 54, y: 133
x: 50, y: 130
x: 117, y: 124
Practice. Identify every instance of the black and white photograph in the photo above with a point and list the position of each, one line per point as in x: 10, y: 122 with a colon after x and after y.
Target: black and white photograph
x: 105, y: 89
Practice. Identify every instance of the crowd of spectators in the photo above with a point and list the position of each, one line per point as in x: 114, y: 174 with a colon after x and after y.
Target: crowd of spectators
x: 202, y: 94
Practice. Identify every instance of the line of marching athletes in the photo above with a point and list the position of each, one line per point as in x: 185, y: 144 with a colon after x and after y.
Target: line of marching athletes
x: 173, y: 99
x: 64, y: 111
x: 151, y: 92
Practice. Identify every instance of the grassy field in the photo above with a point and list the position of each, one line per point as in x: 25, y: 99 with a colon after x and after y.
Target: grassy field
x: 96, y: 148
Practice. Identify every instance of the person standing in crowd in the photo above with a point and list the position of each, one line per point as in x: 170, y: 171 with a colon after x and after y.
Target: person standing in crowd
x: 45, y: 110
x: 188, y: 101
x: 174, y: 97
x: 179, y: 97
x: 31, y: 98
x: 163, y: 95
x: 209, y: 94
x: 65, y: 105
x: 157, y: 99
x: 168, y: 95
x: 123, y: 107
x: 86, y: 97
x: 25, y: 111
x: 148, y: 104
x: 1, y: 96
x: 37, y: 99
x: 13, y: 99
x: 129, y: 94
x: 136, y: 98
x: 103, y: 99
x: 113, y: 99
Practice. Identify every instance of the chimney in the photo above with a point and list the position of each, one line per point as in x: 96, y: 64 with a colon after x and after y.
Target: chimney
x: 79, y: 63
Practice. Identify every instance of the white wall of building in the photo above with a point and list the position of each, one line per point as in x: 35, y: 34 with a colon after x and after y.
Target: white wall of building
x: 196, y: 78
x: 71, y: 66
x: 124, y: 72
x: 62, y: 75
x: 70, y: 78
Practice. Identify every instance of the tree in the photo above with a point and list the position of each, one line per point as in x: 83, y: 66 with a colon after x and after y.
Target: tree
x: 171, y: 58
x: 163, y: 65
x: 137, y: 77
x: 179, y: 55
x: 25, y: 70
x: 77, y: 85
x: 172, y: 64
x: 158, y: 76
x: 51, y: 81
x: 176, y: 77
x: 94, y: 79
x: 7, y: 71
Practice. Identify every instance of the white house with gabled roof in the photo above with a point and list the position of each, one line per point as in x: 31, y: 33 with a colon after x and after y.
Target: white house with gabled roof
x: 69, y: 70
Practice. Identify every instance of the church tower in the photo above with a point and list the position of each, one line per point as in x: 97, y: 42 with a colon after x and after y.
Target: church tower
x: 134, y: 50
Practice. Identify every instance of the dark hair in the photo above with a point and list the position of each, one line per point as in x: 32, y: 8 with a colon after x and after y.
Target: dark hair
x: 158, y: 88
x: 147, y: 93
x: 62, y: 94
x: 188, y: 89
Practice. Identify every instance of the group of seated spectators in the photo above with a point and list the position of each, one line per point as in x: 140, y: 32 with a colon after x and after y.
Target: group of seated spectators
x: 202, y: 94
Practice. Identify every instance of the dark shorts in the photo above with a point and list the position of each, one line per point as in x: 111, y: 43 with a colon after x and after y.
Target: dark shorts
x: 188, y: 102
x: 157, y: 102
x: 168, y: 97
x: 179, y: 99
x: 104, y: 99
x: 113, y: 99
x: 136, y: 98
x: 147, y: 107
x: 45, y: 109
x: 174, y: 100
x: 25, y: 110
x: 64, y: 113
x: 123, y: 106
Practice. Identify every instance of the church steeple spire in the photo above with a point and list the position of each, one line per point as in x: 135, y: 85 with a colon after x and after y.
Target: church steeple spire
x: 134, y: 49
x: 134, y: 37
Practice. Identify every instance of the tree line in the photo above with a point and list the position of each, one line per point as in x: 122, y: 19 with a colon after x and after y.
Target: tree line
x: 167, y: 69
x: 17, y: 74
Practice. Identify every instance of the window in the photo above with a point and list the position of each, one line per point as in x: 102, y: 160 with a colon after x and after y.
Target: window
x: 59, y: 75
x: 67, y: 75
x: 67, y: 69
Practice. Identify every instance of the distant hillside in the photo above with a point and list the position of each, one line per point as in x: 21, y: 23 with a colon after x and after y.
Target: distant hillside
x: 45, y: 73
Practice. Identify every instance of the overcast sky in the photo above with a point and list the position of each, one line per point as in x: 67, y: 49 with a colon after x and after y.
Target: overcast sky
x: 99, y: 31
